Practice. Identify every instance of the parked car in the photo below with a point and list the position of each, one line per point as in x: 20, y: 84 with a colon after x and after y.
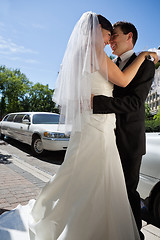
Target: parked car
x: 38, y: 129
x: 149, y: 184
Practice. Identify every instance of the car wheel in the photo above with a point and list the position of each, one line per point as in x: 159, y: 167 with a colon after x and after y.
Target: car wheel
x: 2, y: 136
x: 156, y: 208
x: 37, y: 146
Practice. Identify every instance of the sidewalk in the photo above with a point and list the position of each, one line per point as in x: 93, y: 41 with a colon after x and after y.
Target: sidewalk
x: 21, y: 182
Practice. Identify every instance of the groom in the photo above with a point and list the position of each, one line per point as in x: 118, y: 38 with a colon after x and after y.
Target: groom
x: 128, y: 105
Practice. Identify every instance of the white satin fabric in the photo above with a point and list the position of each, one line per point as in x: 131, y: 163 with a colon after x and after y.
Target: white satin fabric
x: 86, y: 199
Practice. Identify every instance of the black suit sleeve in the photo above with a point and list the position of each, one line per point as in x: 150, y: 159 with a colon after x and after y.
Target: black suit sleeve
x: 135, y: 97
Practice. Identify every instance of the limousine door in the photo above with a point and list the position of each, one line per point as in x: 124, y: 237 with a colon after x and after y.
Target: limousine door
x: 18, y: 130
x: 26, y: 135
x: 8, y: 125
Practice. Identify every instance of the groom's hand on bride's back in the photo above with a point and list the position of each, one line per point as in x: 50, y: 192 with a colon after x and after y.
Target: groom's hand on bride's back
x: 92, y: 95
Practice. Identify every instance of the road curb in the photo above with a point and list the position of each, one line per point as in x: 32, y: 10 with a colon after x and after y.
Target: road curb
x: 45, y: 177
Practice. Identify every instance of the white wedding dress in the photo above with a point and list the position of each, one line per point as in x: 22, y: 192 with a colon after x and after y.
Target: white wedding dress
x: 86, y: 199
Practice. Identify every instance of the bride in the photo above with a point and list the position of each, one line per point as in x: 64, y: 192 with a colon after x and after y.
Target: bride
x: 86, y: 199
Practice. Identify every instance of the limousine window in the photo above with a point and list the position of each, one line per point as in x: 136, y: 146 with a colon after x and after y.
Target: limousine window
x: 11, y: 117
x: 5, y: 118
x: 27, y: 117
x: 45, y: 119
x: 18, y: 118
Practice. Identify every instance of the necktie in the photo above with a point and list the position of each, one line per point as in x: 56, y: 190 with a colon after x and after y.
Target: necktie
x: 118, y: 61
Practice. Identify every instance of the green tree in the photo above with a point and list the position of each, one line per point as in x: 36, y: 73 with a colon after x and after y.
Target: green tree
x: 157, y: 116
x: 147, y: 111
x: 40, y: 98
x: 14, y: 87
x: 153, y: 125
x: 18, y: 94
x: 157, y: 64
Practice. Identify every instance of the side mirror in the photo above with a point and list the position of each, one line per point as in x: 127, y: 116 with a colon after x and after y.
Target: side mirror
x: 26, y: 121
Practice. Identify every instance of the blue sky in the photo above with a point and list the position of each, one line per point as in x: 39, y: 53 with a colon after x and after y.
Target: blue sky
x: 34, y: 33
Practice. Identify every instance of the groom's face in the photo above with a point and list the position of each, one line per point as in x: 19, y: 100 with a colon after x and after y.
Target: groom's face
x: 119, y: 42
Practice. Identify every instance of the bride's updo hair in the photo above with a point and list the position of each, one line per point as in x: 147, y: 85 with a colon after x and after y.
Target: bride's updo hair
x: 105, y: 23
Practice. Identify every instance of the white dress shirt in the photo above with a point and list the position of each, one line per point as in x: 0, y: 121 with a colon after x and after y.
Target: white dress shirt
x: 125, y: 57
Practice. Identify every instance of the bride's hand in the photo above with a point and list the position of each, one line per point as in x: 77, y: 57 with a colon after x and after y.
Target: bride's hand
x: 148, y: 55
x: 155, y: 56
x: 92, y: 95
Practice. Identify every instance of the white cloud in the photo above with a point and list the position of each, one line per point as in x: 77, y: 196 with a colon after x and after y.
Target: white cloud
x: 7, y: 46
x: 19, y: 59
x: 14, y: 52
x: 32, y: 61
x: 38, y: 26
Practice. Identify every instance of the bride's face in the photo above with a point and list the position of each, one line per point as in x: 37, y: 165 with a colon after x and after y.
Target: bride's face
x: 106, y: 36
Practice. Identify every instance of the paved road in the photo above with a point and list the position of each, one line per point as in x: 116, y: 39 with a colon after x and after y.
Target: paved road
x: 49, y: 163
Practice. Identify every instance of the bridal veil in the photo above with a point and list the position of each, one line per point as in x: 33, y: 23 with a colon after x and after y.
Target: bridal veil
x: 84, y: 55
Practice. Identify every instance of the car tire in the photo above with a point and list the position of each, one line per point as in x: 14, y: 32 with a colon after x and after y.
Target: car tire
x: 37, y: 147
x: 2, y: 136
x: 156, y: 208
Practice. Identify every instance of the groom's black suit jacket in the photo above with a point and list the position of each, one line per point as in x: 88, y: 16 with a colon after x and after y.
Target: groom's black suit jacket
x: 128, y: 104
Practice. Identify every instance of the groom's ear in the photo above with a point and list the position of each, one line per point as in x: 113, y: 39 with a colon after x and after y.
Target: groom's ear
x: 130, y: 35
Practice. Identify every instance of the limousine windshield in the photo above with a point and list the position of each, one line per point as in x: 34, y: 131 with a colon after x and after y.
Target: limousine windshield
x: 45, y: 119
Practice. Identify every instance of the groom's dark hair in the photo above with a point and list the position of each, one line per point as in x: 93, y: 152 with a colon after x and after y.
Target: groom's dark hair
x: 105, y: 23
x: 127, y: 27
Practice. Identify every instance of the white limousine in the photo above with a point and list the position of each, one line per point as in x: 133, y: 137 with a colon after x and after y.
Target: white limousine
x: 38, y: 129
x: 149, y: 184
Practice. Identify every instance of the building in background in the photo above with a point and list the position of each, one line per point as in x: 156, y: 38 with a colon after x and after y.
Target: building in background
x: 153, y: 99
